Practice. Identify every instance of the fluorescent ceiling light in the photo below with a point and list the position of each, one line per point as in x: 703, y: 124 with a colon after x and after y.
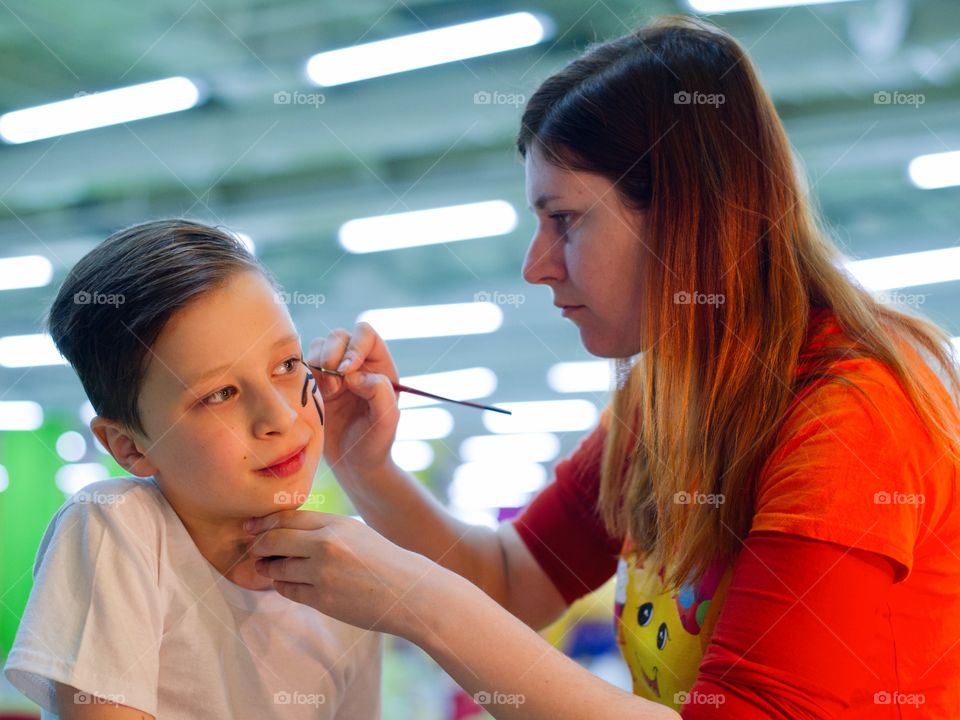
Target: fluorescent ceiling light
x: 99, y: 110
x: 247, y: 242
x: 545, y: 416
x: 419, y: 50
x: 71, y: 446
x: 723, y: 6
x: 482, y: 485
x: 424, y: 424
x: 938, y: 170
x: 76, y: 476
x: 900, y: 271
x: 20, y: 415
x: 510, y: 449
x: 29, y: 351
x: 434, y: 320
x: 25, y: 272
x: 428, y: 227
x: 586, y: 376
x: 467, y: 384
x: 412, y: 455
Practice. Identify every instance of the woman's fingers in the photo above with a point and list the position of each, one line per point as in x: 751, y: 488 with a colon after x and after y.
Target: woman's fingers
x: 299, y: 519
x: 327, y: 352
x: 348, y: 352
x: 286, y: 569
x: 362, y: 342
x: 286, y: 542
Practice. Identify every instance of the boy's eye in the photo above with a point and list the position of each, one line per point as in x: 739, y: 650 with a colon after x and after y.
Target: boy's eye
x: 290, y: 364
x: 287, y: 367
x: 218, y: 396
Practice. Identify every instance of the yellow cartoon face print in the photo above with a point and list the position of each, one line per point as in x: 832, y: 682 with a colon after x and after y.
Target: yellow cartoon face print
x: 660, y: 630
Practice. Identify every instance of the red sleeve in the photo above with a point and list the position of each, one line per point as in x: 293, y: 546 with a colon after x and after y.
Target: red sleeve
x: 803, y: 625
x: 562, y: 528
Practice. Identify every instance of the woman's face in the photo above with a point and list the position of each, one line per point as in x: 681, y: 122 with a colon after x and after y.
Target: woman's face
x: 588, y: 250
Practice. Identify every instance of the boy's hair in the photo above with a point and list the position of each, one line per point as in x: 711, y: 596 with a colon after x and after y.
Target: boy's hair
x: 117, y: 299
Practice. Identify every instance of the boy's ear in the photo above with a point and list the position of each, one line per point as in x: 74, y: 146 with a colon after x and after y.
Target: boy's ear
x: 122, y: 446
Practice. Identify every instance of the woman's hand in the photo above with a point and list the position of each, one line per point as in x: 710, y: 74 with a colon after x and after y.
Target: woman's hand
x: 344, y: 569
x: 361, y: 410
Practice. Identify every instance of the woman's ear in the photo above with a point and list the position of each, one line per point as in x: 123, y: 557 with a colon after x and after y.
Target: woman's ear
x: 122, y: 446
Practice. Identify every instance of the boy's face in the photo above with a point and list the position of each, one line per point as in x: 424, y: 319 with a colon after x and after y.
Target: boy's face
x: 221, y: 401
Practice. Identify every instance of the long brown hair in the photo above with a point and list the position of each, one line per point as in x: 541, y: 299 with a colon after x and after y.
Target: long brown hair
x: 674, y: 115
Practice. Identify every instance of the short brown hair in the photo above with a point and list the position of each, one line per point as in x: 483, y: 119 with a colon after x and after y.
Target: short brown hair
x: 117, y: 299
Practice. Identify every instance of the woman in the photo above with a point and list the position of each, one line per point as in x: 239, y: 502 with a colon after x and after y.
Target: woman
x: 773, y: 483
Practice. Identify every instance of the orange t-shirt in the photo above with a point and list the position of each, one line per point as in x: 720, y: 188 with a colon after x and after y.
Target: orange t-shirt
x: 860, y: 472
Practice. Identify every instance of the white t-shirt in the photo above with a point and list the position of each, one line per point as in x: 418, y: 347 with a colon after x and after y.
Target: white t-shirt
x: 124, y: 607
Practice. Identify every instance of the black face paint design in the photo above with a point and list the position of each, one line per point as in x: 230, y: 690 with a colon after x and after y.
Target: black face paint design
x: 303, y: 395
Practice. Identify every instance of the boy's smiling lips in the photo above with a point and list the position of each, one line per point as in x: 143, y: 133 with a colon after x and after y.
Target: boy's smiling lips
x: 279, y: 465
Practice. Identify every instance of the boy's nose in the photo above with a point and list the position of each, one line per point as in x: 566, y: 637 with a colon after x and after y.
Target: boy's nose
x: 275, y: 414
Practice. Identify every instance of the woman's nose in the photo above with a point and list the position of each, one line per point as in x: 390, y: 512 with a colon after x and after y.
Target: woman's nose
x: 544, y: 261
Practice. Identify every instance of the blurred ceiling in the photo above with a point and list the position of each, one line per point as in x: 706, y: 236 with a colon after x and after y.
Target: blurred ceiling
x: 289, y: 175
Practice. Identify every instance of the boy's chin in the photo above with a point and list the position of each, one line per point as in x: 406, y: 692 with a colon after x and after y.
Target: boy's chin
x: 293, y: 504
x: 289, y: 499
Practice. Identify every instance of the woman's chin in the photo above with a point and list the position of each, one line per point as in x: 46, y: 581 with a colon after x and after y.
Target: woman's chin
x: 608, y: 345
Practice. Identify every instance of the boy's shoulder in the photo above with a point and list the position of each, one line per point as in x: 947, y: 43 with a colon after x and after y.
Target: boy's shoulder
x: 126, y: 507
x: 120, y: 496
x: 116, y: 490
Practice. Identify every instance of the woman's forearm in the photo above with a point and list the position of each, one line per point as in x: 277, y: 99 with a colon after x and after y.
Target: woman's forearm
x: 505, y: 665
x: 401, y: 509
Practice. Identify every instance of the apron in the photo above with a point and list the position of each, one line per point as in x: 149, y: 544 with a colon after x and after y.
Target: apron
x: 663, y: 633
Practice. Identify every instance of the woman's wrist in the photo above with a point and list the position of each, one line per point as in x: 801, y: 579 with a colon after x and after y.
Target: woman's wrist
x: 365, y: 473
x: 433, y: 595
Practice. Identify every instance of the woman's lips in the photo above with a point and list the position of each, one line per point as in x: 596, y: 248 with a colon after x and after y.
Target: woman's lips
x: 568, y: 310
x: 290, y: 465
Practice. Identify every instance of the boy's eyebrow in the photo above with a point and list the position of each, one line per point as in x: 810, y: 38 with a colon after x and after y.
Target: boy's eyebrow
x: 217, y: 370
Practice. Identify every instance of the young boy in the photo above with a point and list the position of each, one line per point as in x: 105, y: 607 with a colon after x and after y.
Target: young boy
x: 146, y: 602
